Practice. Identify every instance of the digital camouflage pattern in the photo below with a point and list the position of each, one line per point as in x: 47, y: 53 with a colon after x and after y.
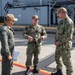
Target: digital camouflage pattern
x: 64, y: 36
x: 34, y: 47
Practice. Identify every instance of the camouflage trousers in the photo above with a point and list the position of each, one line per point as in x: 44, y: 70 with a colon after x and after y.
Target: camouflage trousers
x: 64, y: 53
x: 32, y: 50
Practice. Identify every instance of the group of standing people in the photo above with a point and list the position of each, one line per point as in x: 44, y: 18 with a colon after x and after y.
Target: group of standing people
x: 35, y: 33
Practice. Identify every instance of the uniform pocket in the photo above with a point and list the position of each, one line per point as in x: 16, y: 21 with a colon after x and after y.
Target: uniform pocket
x: 68, y: 45
x: 30, y: 49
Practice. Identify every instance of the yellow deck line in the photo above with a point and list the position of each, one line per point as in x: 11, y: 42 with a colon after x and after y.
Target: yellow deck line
x: 50, y: 27
x: 1, y: 24
x: 25, y: 26
x: 46, y: 27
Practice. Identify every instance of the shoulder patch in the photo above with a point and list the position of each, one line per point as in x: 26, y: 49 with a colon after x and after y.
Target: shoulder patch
x: 4, y: 32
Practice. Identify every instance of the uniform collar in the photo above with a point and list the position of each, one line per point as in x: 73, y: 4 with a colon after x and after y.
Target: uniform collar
x: 36, y: 25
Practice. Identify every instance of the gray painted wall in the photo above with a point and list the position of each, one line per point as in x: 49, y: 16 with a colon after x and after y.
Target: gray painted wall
x: 3, y: 5
x: 27, y: 2
x: 24, y: 16
x: 0, y: 7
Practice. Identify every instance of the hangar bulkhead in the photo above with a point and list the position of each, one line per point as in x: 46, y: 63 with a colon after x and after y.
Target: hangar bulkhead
x: 45, y: 9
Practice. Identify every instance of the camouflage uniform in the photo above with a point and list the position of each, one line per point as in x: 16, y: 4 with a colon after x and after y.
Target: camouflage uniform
x: 33, y: 47
x: 64, y: 36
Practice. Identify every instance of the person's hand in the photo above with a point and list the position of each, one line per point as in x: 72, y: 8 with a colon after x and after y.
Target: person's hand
x: 57, y: 43
x: 30, y: 38
x: 42, y: 38
x: 9, y: 57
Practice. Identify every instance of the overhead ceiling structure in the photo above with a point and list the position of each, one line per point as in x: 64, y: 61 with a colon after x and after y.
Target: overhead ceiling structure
x: 65, y: 2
